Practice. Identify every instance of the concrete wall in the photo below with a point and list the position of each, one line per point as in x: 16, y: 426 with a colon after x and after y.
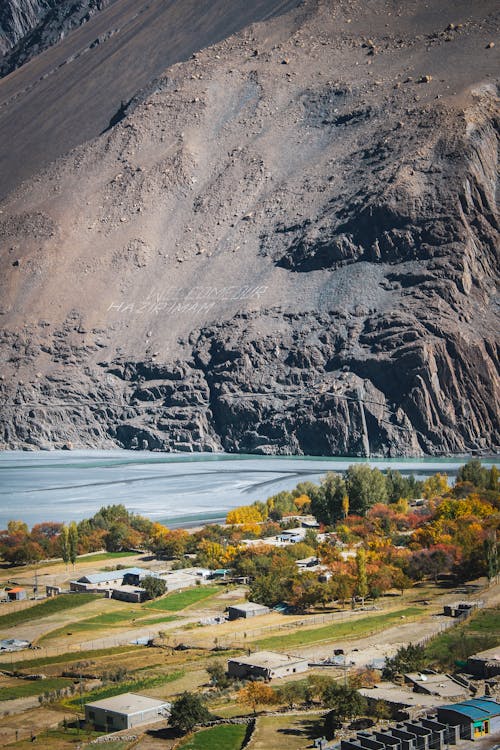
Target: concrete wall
x: 111, y: 720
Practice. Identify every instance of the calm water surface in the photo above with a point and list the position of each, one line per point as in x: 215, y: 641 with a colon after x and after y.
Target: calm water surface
x: 172, y: 488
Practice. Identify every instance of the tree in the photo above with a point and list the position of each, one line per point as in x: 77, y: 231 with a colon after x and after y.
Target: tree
x: 474, y: 472
x: 491, y: 554
x: 244, y: 514
x: 326, y: 500
x: 345, y: 701
x: 435, y: 486
x: 361, y: 576
x: 345, y: 506
x: 72, y: 542
x: 292, y: 693
x: 154, y: 587
x: 331, y: 724
x: 65, y: 544
x: 257, y: 694
x: 188, y: 711
x: 218, y: 675
x: 116, y: 537
x: 409, y: 658
x: 270, y: 589
x: 365, y: 487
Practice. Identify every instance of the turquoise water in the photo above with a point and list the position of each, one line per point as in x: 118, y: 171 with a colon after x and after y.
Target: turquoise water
x: 173, y: 488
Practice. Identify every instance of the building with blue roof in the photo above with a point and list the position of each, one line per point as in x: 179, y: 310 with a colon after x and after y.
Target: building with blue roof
x: 477, y: 717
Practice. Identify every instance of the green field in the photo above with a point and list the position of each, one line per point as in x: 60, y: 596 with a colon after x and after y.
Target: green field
x: 71, y: 656
x: 129, y: 686
x: 480, y: 632
x: 348, y: 629
x: 182, y: 599
x: 27, y: 688
x: 107, y: 621
x: 46, y: 608
x: 105, y: 556
x: 223, y: 737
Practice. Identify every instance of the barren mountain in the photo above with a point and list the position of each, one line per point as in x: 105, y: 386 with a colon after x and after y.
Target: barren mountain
x: 28, y: 27
x: 287, y: 243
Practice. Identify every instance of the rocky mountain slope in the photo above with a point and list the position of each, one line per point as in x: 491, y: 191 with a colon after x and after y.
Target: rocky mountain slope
x: 75, y: 89
x: 28, y: 27
x: 286, y: 244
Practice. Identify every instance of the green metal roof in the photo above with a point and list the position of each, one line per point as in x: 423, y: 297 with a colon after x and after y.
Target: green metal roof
x: 476, y: 708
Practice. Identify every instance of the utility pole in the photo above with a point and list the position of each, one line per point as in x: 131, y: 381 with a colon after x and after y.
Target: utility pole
x: 366, y: 442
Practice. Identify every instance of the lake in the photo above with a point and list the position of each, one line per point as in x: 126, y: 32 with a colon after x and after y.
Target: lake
x: 176, y: 489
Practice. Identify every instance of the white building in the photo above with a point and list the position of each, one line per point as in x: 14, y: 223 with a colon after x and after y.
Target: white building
x: 125, y: 711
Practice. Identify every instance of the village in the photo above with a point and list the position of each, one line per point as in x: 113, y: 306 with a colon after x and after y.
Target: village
x: 284, y: 630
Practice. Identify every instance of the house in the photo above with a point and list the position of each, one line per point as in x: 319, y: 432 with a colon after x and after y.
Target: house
x: 125, y: 711
x: 484, y: 664
x: 107, y: 581
x: 292, y: 536
x: 16, y: 594
x: 220, y: 573
x: 133, y: 576
x: 477, y: 717
x: 247, y: 609
x: 266, y: 664
x: 307, y: 562
x: 442, y: 685
x: 13, y: 644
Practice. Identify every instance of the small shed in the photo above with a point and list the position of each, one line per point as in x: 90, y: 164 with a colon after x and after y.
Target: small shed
x: 266, y: 664
x: 477, y: 717
x: 125, y: 711
x: 51, y: 591
x: 459, y: 609
x: 16, y: 594
x: 247, y: 609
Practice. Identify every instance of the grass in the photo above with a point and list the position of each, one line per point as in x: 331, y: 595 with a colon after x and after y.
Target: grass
x: 182, y: 599
x: 47, y: 608
x: 73, y: 656
x: 105, y: 621
x: 485, y: 621
x: 480, y: 632
x: 105, y: 556
x: 349, y: 629
x: 129, y: 686
x: 286, y: 732
x: 223, y: 737
x: 28, y: 688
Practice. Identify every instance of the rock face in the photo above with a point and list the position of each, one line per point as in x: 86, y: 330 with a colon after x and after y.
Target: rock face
x: 287, y: 244
x: 28, y: 27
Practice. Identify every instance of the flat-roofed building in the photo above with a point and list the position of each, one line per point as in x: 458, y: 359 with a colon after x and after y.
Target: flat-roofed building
x: 247, y: 609
x: 436, y: 684
x: 485, y: 664
x: 125, y: 711
x: 266, y: 664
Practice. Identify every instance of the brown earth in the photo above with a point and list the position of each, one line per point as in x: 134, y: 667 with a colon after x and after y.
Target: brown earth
x: 288, y: 243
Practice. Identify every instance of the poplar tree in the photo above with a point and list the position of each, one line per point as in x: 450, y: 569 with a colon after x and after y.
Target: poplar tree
x: 72, y: 542
x: 65, y: 544
x: 362, y: 580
